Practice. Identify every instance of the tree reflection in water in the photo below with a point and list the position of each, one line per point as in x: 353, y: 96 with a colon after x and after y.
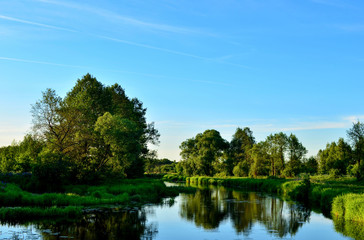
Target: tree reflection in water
x: 210, y: 206
x: 103, y: 225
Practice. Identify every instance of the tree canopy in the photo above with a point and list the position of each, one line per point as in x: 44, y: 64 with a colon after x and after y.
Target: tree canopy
x: 96, y: 128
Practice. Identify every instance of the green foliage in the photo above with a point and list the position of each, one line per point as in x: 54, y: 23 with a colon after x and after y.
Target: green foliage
x: 24, y: 214
x: 97, y: 128
x: 203, y: 154
x: 76, y: 197
x: 153, y: 165
x: 356, y: 136
x: 349, y: 207
x: 310, y: 165
x: 336, y: 158
x: 239, y: 152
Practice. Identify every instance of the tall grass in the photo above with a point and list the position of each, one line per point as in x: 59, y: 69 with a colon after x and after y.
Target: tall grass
x: 17, y: 202
x: 349, y: 207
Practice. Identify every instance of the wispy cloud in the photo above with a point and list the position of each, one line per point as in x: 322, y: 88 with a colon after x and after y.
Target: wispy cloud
x: 35, y: 23
x: 217, y: 60
x: 40, y: 62
x: 112, y: 16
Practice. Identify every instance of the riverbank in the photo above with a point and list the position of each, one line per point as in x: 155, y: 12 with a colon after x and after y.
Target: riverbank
x: 340, y: 197
x: 18, y: 205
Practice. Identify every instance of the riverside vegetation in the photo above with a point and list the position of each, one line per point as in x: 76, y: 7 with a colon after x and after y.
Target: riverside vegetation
x: 341, y: 198
x: 87, y: 148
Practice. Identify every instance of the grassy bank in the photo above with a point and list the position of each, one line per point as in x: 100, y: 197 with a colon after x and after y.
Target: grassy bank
x: 19, y: 204
x: 341, y: 197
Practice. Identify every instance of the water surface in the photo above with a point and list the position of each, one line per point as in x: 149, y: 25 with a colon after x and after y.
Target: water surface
x: 210, y: 213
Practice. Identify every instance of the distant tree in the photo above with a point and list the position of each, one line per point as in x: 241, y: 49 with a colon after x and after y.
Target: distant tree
x: 261, y: 160
x: 239, y: 159
x: 204, y: 152
x: 296, y: 152
x: 277, y: 145
x: 310, y: 165
x: 356, y: 137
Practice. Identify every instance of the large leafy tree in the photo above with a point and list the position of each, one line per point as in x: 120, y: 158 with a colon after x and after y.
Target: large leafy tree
x: 98, y: 128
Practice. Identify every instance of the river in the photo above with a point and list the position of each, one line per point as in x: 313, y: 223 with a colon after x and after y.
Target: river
x: 210, y: 213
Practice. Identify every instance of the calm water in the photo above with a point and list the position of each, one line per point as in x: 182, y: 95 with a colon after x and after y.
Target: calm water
x: 210, y: 213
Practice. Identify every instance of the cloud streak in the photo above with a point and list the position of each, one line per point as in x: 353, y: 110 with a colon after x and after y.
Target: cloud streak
x: 12, y: 19
x: 170, y: 51
x: 112, y: 16
x: 132, y: 43
x: 39, y: 62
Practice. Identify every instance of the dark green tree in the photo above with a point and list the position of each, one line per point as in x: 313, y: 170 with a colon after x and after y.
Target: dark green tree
x: 204, y: 153
x: 356, y: 137
x: 239, y: 152
x: 277, y: 145
x: 296, y: 152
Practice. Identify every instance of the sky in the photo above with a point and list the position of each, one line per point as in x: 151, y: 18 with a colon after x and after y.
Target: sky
x: 270, y: 65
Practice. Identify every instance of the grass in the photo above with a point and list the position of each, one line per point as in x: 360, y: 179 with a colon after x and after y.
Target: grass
x: 349, y: 207
x: 19, y: 204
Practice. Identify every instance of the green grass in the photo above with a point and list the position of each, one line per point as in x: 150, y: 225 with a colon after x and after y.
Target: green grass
x: 349, y: 207
x: 16, y: 202
x: 23, y: 214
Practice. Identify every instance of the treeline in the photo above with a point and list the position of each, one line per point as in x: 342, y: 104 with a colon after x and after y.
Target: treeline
x: 158, y: 166
x: 95, y: 131
x: 279, y: 155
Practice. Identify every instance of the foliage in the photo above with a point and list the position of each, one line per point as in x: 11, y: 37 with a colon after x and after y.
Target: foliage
x: 204, y: 154
x: 335, y: 158
x: 349, y: 207
x: 356, y: 136
x: 138, y: 191
x: 153, y: 165
x: 96, y: 128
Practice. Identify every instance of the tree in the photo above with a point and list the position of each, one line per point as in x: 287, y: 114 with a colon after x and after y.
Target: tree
x: 97, y: 128
x: 240, y: 146
x: 203, y: 154
x: 356, y: 137
x: 296, y: 152
x: 51, y: 122
x: 310, y: 165
x: 277, y: 145
x: 261, y: 160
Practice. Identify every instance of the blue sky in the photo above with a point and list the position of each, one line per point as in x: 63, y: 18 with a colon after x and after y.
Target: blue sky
x: 271, y: 65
